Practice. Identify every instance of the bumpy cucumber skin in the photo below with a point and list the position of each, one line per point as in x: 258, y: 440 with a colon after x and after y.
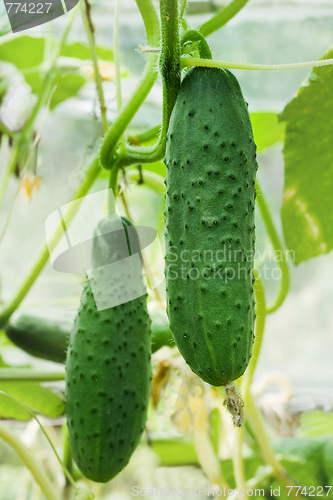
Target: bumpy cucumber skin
x: 43, y: 334
x: 210, y: 198
x: 108, y: 376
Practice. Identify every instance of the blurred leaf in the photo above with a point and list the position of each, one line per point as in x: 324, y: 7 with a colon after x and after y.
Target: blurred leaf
x: 157, y: 167
x: 68, y: 87
x: 317, y: 423
x: 328, y: 462
x: 302, y: 458
x: 266, y: 129
x: 174, y: 452
x: 214, y: 429
x: 34, y: 395
x: 307, y: 210
x: 23, y: 51
x: 82, y: 51
x: 35, y: 82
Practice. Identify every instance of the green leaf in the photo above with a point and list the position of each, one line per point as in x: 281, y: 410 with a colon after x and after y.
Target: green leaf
x: 307, y: 210
x: 68, y: 87
x: 267, y: 129
x: 82, y: 51
x: 317, y: 423
x: 35, y: 82
x: 23, y: 51
x: 214, y: 429
x: 42, y: 399
x: 174, y: 452
x: 302, y: 460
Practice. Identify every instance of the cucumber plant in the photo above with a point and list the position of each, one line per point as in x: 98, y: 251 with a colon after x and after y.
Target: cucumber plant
x: 207, y: 141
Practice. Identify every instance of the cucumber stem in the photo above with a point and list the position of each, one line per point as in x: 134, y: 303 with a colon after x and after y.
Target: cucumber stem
x: 207, y: 63
x: 169, y: 64
x: 277, y: 245
x: 222, y: 17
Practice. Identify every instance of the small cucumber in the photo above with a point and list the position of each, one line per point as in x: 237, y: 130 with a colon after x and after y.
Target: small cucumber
x: 108, y: 372
x: 45, y: 333
x: 210, y: 198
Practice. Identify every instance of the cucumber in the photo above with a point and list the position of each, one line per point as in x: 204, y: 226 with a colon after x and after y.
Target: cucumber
x: 45, y: 333
x: 210, y: 198
x: 108, y: 370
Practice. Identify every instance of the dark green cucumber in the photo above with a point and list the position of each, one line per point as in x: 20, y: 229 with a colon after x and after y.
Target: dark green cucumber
x: 108, y: 372
x: 42, y: 333
x: 45, y: 333
x: 211, y: 168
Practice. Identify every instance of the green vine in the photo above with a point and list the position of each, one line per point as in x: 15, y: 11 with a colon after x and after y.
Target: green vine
x: 222, y: 17
x: 170, y: 71
x: 30, y: 460
x: 277, y: 245
x: 191, y: 36
x: 206, y: 63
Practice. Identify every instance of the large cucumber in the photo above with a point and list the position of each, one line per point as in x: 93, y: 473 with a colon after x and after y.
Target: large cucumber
x: 45, y: 333
x: 211, y: 168
x: 108, y: 371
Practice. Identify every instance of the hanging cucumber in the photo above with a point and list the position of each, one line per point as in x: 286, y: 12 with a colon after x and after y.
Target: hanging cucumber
x: 45, y: 333
x: 108, y: 369
x: 210, y: 234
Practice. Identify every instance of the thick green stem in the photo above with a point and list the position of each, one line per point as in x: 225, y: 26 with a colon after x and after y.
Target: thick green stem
x: 32, y: 463
x: 29, y: 375
x: 222, y: 17
x: 85, y: 12
x: 150, y: 19
x: 170, y: 71
x: 277, y: 245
